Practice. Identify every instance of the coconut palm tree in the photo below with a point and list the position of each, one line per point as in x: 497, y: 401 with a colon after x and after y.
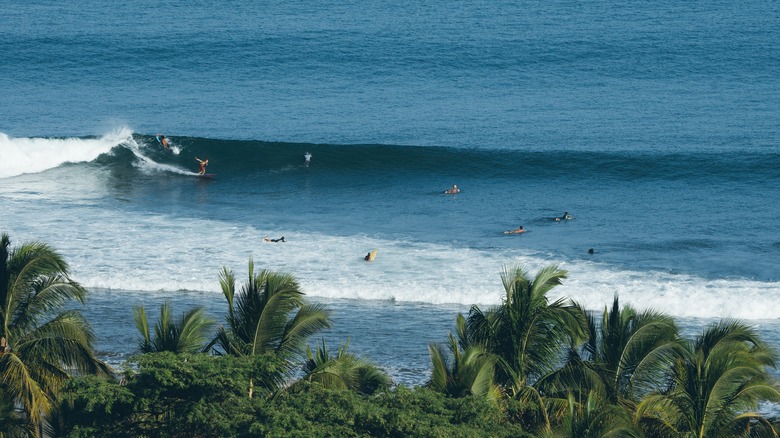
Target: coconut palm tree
x: 268, y: 315
x: 470, y: 372
x: 625, y: 357
x: 527, y: 332
x: 529, y: 335
x: 344, y: 371
x: 716, y: 385
x: 189, y: 334
x: 40, y: 344
x: 595, y: 418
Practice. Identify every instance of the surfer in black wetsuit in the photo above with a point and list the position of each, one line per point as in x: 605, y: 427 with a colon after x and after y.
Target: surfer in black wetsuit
x: 281, y: 239
x: 203, y: 164
x: 566, y: 216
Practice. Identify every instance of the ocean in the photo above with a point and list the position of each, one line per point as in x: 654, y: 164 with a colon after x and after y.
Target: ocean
x: 655, y: 124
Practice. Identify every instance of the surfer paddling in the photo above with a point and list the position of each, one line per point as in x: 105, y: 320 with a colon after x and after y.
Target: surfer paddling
x: 566, y: 217
x: 518, y: 230
x: 203, y: 164
x: 452, y: 190
x: 163, y: 141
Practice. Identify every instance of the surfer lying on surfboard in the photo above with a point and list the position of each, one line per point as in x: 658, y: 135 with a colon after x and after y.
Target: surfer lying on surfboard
x: 281, y: 239
x: 163, y: 141
x: 203, y: 164
x: 519, y: 230
x: 566, y: 216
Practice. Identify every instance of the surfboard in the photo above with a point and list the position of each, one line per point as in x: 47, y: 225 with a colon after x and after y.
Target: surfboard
x: 371, y: 256
x: 514, y: 232
x: 206, y: 175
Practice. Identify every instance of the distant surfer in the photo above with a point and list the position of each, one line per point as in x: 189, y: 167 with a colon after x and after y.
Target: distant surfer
x: 591, y: 251
x: 566, y: 216
x: 306, y: 159
x: 518, y: 230
x: 452, y: 190
x: 281, y: 239
x: 163, y: 141
x: 203, y: 164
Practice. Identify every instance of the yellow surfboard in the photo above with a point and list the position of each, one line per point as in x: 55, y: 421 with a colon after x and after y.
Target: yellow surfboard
x: 371, y: 256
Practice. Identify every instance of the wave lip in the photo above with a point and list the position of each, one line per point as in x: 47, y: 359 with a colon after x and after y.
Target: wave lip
x: 34, y: 155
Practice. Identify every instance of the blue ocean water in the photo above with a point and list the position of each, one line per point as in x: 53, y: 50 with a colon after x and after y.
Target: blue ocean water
x: 657, y: 126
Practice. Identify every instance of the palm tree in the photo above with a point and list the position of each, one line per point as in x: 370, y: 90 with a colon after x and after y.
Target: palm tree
x: 344, y: 371
x: 471, y: 371
x: 595, y: 418
x: 527, y: 332
x: 716, y: 385
x: 188, y: 334
x: 268, y: 316
x: 40, y: 344
x: 625, y: 356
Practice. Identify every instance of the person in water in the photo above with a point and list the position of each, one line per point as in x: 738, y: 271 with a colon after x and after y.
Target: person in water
x: 367, y: 257
x: 163, y: 141
x: 306, y: 159
x: 203, y: 164
x: 519, y: 230
x: 281, y: 239
x: 454, y: 189
x: 566, y: 216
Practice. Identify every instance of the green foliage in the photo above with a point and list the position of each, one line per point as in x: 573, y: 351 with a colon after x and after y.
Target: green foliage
x: 172, y: 396
x: 343, y: 371
x: 595, y: 418
x: 526, y: 331
x: 41, y: 344
x: 268, y: 315
x: 627, y: 355
x: 470, y: 372
x: 402, y: 412
x: 716, y: 385
x: 199, y: 396
x: 188, y: 334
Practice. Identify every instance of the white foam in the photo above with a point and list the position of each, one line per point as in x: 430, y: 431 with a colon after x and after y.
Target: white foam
x: 148, y: 165
x: 159, y: 253
x: 32, y: 155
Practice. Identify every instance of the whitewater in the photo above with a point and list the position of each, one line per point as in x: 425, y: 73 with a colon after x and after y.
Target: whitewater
x: 184, y: 252
x: 656, y: 125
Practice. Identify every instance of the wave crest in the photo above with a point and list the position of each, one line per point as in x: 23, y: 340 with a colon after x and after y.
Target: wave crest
x: 32, y: 155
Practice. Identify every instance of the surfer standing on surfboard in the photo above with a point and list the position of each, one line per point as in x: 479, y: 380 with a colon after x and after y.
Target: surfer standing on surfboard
x: 306, y: 159
x: 203, y: 164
